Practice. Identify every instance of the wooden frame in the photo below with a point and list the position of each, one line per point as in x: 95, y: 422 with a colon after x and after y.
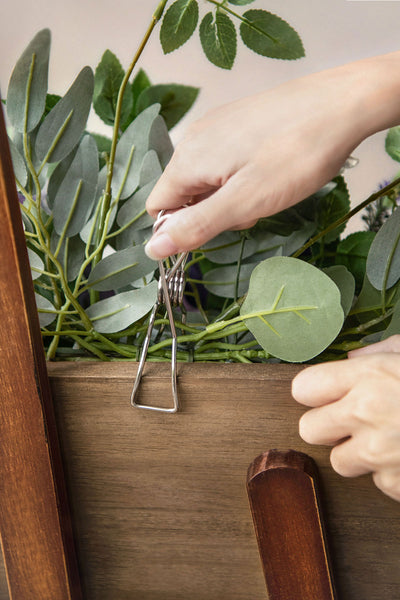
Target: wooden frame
x: 35, y: 524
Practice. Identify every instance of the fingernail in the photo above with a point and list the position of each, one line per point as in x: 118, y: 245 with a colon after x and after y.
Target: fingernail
x: 160, y: 246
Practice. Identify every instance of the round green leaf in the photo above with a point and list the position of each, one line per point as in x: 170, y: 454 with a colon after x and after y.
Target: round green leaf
x: 120, y: 311
x: 47, y: 311
x: 178, y: 24
x: 37, y: 265
x: 292, y: 308
x: 269, y: 35
x: 383, y: 261
x: 120, y: 269
x: 346, y: 284
x: 65, y: 123
x: 218, y: 39
x: 392, y: 143
x: 26, y: 95
x: 222, y: 281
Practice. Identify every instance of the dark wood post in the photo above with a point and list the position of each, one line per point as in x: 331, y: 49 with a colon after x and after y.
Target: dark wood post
x: 283, y: 496
x: 35, y: 524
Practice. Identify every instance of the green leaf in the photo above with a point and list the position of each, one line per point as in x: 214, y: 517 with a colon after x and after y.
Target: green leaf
x: 122, y: 310
x: 131, y: 150
x: 62, y: 128
x: 346, y: 284
x: 222, y: 281
x: 46, y: 310
x: 71, y: 254
x: 225, y: 248
x: 134, y: 209
x: 75, y: 197
x: 160, y: 141
x: 240, y: 2
x: 394, y: 325
x: 292, y: 308
x: 218, y: 39
x: 151, y: 168
x: 36, y: 264
x: 26, y: 95
x: 383, y: 261
x: 103, y: 144
x: 352, y: 252
x: 18, y: 162
x: 107, y: 81
x: 392, y: 143
x: 178, y: 24
x: 140, y: 83
x: 51, y: 101
x: 57, y: 177
x: 269, y: 35
x: 175, y: 100
x: 120, y: 269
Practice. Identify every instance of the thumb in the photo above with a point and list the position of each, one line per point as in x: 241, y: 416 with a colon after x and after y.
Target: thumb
x: 194, y: 225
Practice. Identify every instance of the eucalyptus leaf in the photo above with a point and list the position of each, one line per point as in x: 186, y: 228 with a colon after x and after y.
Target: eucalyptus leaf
x: 46, y: 310
x: 120, y: 269
x: 120, y: 311
x: 26, y: 95
x: 133, y: 211
x: 222, y: 281
x: 394, y: 325
x: 151, y: 168
x: 292, y: 308
x: 66, y: 122
x: 57, y: 177
x: 160, y: 141
x: 383, y: 261
x: 36, y: 263
x: 269, y: 35
x: 71, y: 254
x: 140, y: 83
x: 392, y: 143
x: 19, y: 166
x: 175, y: 100
x: 225, y: 248
x: 107, y: 82
x: 346, y: 284
x: 178, y: 24
x: 131, y: 150
x: 218, y: 39
x: 75, y: 197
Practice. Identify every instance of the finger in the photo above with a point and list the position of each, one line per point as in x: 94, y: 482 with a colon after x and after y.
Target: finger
x: 391, y: 344
x: 191, y: 227
x: 326, y: 425
x: 327, y: 382
x: 346, y: 459
x: 388, y: 481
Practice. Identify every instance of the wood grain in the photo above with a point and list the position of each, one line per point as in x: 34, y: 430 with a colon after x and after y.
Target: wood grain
x: 284, y: 499
x: 34, y: 521
x: 160, y: 502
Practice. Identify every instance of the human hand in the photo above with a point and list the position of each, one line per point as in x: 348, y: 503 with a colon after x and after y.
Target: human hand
x: 259, y: 155
x: 356, y: 408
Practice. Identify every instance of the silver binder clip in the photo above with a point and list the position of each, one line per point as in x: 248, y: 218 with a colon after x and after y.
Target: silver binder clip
x: 171, y: 285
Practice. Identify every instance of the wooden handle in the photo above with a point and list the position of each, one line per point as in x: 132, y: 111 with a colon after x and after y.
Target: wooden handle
x: 283, y: 497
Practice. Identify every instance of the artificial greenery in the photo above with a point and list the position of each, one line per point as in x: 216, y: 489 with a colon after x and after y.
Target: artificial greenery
x: 293, y: 287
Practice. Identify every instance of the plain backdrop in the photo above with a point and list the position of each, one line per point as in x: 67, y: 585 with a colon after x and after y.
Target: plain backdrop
x: 333, y: 32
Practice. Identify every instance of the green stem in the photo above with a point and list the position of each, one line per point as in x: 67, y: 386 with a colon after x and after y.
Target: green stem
x: 347, y: 216
x: 243, y: 20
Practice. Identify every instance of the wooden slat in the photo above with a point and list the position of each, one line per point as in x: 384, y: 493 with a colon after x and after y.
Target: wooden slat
x: 285, y: 504
x: 34, y: 520
x: 160, y: 501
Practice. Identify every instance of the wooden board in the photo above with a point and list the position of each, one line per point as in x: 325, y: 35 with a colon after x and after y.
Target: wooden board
x: 159, y: 501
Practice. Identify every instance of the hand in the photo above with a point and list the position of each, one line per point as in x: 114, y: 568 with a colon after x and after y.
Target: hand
x: 259, y: 155
x: 356, y: 408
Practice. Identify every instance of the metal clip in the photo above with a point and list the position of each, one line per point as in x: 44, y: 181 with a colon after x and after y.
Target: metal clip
x: 171, y: 285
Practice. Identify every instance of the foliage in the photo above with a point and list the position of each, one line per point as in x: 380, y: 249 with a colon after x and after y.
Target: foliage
x: 282, y: 289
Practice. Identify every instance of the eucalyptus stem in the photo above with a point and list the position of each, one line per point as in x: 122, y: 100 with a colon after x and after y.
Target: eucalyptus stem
x: 347, y: 216
x: 107, y: 191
